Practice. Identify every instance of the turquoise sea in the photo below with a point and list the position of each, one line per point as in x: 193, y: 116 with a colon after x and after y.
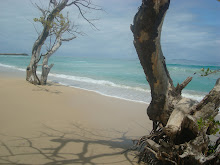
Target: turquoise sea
x: 121, y: 78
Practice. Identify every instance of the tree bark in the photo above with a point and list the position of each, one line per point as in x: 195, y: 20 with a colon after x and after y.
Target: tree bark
x: 147, y: 31
x: 31, y: 75
x: 31, y: 71
x: 176, y: 137
x: 45, y: 68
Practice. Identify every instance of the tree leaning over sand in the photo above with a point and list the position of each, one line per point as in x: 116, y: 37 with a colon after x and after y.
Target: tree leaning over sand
x: 55, y: 27
x: 176, y: 138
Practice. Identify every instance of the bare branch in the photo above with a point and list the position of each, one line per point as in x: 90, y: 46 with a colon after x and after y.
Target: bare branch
x: 68, y: 39
x: 54, y: 2
x: 80, y: 4
x: 85, y: 17
x: 70, y: 3
x: 42, y: 10
x: 34, y: 27
x: 89, y: 7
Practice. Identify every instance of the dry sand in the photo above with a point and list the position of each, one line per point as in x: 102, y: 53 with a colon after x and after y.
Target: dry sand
x: 55, y: 124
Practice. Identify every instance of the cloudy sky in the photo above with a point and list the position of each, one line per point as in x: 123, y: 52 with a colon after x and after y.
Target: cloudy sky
x: 191, y: 30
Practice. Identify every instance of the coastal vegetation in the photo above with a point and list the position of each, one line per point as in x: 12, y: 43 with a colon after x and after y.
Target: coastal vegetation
x: 55, y: 27
x: 181, y: 126
x: 208, y: 71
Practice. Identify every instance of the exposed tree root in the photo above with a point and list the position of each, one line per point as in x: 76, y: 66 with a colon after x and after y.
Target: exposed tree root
x: 157, y: 148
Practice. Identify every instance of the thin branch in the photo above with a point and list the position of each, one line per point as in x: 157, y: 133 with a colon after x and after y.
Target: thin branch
x: 54, y: 2
x: 85, y: 17
x: 34, y: 27
x: 68, y: 39
x: 89, y: 7
x: 70, y: 3
x: 87, y: 4
x: 42, y: 10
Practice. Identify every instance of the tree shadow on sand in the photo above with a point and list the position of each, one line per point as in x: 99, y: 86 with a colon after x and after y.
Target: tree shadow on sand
x: 74, y: 145
x: 45, y: 89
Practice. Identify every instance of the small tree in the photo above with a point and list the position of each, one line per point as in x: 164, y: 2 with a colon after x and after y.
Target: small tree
x: 55, y: 27
x: 176, y: 137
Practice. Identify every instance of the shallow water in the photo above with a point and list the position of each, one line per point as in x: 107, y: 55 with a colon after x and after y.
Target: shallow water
x: 121, y: 78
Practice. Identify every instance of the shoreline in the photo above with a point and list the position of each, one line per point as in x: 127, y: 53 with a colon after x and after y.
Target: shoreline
x: 140, y: 96
x: 78, y: 126
x: 105, y: 95
x: 20, y: 72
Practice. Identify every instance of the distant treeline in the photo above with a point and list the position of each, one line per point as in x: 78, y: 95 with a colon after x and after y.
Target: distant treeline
x: 14, y: 54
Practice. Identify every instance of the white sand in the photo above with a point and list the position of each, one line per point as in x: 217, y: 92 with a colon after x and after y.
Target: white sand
x: 55, y: 124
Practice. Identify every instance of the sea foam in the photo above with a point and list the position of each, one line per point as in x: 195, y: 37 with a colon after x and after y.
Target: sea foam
x: 108, y: 88
x: 98, y: 82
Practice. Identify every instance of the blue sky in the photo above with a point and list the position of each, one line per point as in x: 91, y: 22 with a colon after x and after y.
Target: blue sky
x: 191, y: 30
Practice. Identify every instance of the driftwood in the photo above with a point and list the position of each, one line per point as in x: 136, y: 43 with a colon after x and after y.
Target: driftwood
x: 176, y: 137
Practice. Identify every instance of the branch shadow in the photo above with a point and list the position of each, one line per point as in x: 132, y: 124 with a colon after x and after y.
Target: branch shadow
x: 45, y: 89
x: 75, y: 145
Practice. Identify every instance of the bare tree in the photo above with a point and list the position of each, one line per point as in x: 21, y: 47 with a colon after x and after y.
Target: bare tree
x: 176, y: 137
x: 55, y: 27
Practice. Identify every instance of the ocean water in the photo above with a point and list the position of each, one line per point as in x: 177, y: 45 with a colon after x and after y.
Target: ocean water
x: 121, y: 78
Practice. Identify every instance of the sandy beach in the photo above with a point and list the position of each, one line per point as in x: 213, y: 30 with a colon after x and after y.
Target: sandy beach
x: 55, y: 124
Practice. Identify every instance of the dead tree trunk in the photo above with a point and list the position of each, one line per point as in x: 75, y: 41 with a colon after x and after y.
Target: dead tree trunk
x: 176, y: 137
x: 31, y: 74
x: 147, y: 30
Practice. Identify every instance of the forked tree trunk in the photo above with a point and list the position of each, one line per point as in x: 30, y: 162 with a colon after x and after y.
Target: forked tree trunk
x: 45, y: 70
x: 31, y: 75
x: 45, y: 67
x: 176, y: 137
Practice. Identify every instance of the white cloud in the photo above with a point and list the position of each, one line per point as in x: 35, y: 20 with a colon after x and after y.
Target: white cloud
x: 186, y: 32
x: 185, y: 35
